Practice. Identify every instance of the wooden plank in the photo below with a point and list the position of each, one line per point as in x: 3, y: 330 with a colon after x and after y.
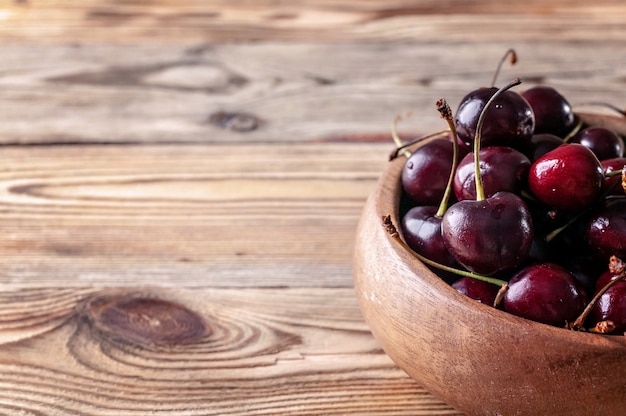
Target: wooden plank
x: 164, y: 20
x: 83, y: 351
x: 192, y: 216
x: 269, y: 92
x: 179, y: 212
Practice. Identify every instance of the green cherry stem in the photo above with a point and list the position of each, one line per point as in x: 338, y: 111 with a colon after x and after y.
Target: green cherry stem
x: 446, y: 114
x: 480, y: 190
x: 574, y: 131
x: 393, y: 233
x: 396, y: 138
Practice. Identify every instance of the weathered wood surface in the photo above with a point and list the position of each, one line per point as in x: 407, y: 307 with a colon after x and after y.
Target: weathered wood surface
x: 225, y: 21
x: 252, y: 351
x: 181, y: 182
x: 187, y: 216
x: 205, y: 93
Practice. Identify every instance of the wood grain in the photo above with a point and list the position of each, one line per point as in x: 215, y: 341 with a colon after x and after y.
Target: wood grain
x: 189, y: 216
x: 264, y: 352
x: 270, y: 92
x: 180, y: 184
x: 432, y: 21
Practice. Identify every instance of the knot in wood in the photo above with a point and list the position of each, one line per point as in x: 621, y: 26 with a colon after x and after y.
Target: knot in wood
x: 146, y: 321
x: 240, y: 122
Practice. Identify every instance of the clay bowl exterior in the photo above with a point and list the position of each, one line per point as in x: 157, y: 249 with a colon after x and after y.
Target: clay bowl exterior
x: 480, y: 360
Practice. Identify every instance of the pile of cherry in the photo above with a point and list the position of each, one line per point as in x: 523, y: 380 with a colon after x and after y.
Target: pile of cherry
x: 521, y: 206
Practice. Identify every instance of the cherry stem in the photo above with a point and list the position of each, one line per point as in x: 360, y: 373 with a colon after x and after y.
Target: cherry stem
x: 393, y: 233
x: 616, y: 266
x: 395, y: 137
x: 446, y: 114
x: 394, y: 154
x: 480, y: 190
x: 573, y: 132
x: 551, y: 235
x: 513, y: 60
x: 500, y: 295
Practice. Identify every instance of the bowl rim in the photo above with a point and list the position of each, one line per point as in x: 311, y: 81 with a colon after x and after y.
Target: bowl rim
x: 386, y: 198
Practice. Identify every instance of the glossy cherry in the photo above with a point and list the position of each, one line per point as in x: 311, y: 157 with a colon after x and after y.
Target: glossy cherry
x: 508, y: 122
x: 478, y: 290
x: 603, y: 142
x: 611, y: 306
x: 545, y: 293
x: 605, y: 230
x: 604, y: 279
x: 613, y: 184
x: 502, y: 169
x: 553, y: 113
x: 568, y: 178
x: 426, y: 171
x: 490, y: 235
x: 421, y: 228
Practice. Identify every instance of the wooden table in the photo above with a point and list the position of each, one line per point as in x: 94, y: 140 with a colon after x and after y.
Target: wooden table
x: 181, y: 181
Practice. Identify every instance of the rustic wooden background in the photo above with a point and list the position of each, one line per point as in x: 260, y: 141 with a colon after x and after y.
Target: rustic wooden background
x: 180, y: 182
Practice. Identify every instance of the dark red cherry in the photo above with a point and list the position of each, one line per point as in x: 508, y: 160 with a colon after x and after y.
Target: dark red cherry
x: 613, y: 184
x: 476, y: 289
x: 568, y: 178
x: 545, y: 293
x: 508, y: 122
x: 421, y: 229
x: 553, y: 114
x: 501, y: 168
x: 605, y: 230
x: 426, y: 172
x: 490, y: 235
x: 611, y: 306
x: 603, y: 142
x: 543, y: 143
x: 604, y: 279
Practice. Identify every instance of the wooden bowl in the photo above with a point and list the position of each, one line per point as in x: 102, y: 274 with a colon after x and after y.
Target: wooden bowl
x: 478, y: 359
